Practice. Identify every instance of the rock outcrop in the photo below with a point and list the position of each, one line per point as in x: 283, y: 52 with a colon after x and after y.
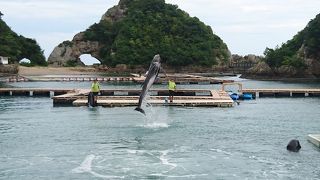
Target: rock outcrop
x: 261, y: 69
x: 242, y: 63
x: 68, y: 53
x: 313, y: 67
x: 9, y: 69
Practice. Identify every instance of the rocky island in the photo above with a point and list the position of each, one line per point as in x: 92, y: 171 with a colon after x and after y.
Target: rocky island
x: 132, y: 32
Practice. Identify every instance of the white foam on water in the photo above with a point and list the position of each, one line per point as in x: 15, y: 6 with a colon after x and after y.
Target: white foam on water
x: 106, y: 176
x: 221, y: 151
x: 131, y: 151
x: 155, y: 125
x: 86, y: 167
x: 165, y: 161
x: 180, y: 176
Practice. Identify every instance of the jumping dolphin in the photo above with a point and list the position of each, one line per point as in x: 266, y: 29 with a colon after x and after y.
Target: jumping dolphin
x: 152, y: 74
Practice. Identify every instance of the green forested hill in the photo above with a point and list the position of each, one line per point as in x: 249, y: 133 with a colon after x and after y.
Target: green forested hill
x: 306, y: 44
x: 18, y: 47
x: 150, y: 27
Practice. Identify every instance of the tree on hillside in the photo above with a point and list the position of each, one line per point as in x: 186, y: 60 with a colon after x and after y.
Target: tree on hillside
x: 18, y: 47
x: 152, y: 27
x: 307, y: 41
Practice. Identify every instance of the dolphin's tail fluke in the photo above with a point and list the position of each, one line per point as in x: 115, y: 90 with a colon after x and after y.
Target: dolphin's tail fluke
x: 140, y: 110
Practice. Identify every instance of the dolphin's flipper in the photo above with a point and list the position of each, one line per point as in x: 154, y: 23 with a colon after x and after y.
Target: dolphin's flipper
x: 140, y: 110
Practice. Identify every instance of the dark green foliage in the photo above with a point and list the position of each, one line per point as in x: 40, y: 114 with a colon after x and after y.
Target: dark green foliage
x: 288, y: 53
x: 71, y: 63
x: 294, y: 61
x: 18, y: 47
x: 153, y: 27
x: 312, y: 37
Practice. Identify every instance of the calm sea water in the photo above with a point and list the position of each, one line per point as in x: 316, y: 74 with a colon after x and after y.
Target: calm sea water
x: 39, y: 141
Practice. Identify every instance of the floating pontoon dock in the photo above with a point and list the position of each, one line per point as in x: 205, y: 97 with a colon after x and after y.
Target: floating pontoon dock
x: 185, y: 97
x: 34, y: 91
x: 121, y: 98
x: 314, y: 139
x: 255, y: 92
x: 274, y: 92
x: 282, y: 92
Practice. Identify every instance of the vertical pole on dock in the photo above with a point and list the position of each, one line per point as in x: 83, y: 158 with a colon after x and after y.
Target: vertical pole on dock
x: 306, y: 94
x: 30, y: 93
x: 51, y: 93
x: 10, y: 93
x: 290, y: 94
x: 257, y: 94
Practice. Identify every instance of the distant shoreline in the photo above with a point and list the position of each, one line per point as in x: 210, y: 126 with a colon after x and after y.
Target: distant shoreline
x: 91, y: 71
x: 286, y: 79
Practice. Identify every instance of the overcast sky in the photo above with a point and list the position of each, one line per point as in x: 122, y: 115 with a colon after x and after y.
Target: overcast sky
x: 246, y: 26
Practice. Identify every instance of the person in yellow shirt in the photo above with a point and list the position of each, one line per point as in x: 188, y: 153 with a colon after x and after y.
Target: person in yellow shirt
x: 172, y: 88
x: 95, y: 90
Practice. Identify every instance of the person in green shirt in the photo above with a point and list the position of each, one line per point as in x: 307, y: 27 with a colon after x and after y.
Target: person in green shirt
x: 172, y: 87
x: 95, y: 89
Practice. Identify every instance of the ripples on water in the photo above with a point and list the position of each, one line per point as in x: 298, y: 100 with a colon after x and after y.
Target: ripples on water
x: 39, y: 141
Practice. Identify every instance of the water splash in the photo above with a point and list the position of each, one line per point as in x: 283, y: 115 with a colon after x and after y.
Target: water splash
x: 156, y: 117
x: 85, y: 166
x: 165, y: 161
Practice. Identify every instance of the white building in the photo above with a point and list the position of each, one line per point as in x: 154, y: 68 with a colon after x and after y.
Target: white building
x: 4, y: 60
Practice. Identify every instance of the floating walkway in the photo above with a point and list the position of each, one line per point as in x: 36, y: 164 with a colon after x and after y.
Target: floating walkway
x: 49, y: 92
x: 282, y: 92
x: 121, y: 98
x: 314, y: 139
x: 127, y: 97
x: 255, y: 92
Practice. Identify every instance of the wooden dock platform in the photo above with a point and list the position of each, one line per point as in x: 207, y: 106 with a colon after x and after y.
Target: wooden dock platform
x: 158, y: 101
x: 314, y: 139
x: 121, y: 98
